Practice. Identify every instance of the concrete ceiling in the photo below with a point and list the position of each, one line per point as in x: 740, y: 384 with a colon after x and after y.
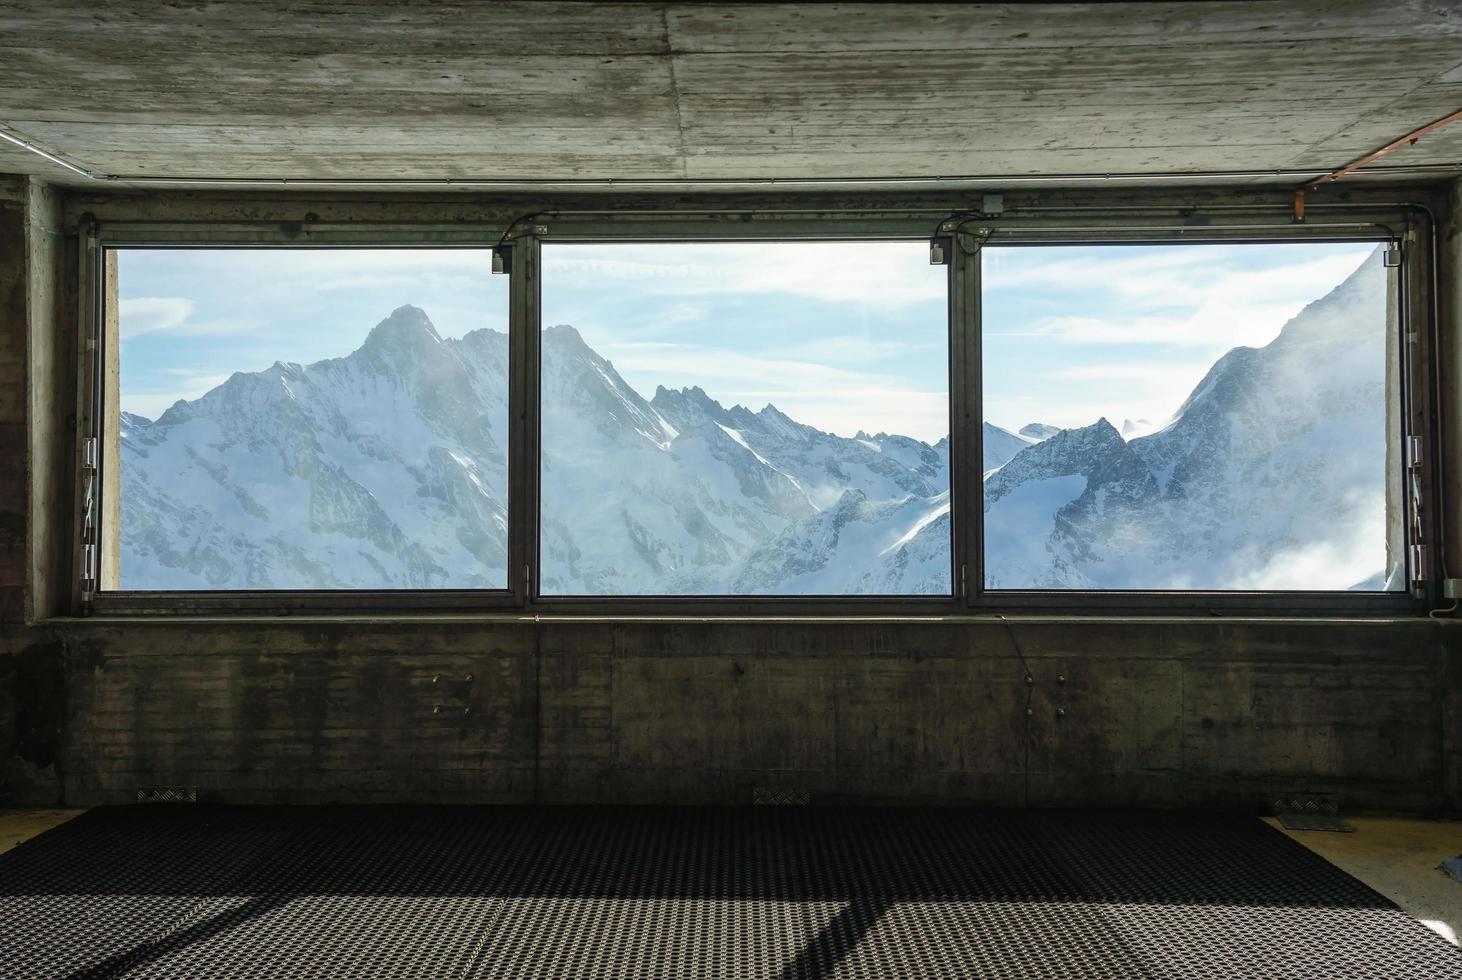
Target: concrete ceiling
x: 366, y: 90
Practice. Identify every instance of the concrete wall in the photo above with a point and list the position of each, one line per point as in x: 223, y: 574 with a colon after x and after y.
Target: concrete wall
x: 1166, y: 711
x: 1177, y: 713
x: 33, y: 451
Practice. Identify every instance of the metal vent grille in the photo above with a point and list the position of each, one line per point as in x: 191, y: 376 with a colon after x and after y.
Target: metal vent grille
x: 1298, y: 811
x: 775, y: 892
x: 168, y: 794
x: 767, y: 796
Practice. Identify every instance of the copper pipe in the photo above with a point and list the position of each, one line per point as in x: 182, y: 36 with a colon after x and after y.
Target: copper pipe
x: 1410, y: 137
x: 1354, y: 165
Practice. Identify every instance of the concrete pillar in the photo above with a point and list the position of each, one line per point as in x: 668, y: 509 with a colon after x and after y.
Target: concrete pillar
x: 1449, y: 356
x: 1449, y: 412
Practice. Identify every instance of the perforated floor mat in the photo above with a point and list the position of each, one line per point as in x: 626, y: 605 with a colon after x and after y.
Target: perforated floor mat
x: 776, y: 893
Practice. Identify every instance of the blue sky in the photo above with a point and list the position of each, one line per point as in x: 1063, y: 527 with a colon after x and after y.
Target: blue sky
x: 839, y: 335
x: 1075, y: 333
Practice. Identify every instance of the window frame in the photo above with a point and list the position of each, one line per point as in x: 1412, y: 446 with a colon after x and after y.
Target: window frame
x: 1231, y: 601
x: 92, y: 395
x: 593, y: 233
x: 522, y: 242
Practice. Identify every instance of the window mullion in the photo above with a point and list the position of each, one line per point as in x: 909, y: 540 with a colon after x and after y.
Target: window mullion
x: 524, y: 329
x: 966, y: 444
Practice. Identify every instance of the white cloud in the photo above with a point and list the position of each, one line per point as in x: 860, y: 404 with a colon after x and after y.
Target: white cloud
x: 860, y: 349
x: 1191, y: 296
x: 1128, y: 332
x: 1350, y: 554
x: 146, y: 314
x: 882, y: 274
x: 1213, y: 326
x: 188, y: 386
x: 829, y: 398
x: 1081, y: 394
x: 172, y: 314
x: 1126, y: 372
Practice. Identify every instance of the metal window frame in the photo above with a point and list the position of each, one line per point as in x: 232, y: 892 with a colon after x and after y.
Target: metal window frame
x: 1237, y: 227
x: 1410, y: 223
x: 693, y: 230
x: 285, y: 601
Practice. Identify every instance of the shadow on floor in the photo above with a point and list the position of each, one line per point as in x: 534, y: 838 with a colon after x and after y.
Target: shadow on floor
x: 665, y: 892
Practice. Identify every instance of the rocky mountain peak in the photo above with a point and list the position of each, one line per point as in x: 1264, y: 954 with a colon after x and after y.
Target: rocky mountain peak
x: 407, y: 328
x: 688, y: 408
x: 1039, y: 430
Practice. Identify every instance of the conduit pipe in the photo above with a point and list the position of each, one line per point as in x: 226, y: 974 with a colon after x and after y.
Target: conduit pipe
x: 1359, y: 162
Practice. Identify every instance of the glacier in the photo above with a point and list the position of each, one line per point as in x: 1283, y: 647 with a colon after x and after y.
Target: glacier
x: 387, y: 469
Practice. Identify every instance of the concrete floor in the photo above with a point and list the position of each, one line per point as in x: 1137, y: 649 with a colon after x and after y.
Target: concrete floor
x: 1398, y: 858
x: 21, y: 825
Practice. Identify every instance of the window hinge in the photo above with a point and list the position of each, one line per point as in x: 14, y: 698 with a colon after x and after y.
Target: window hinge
x: 1413, y: 452
x: 1418, y: 563
x: 964, y: 581
x: 88, y: 563
x: 88, y: 452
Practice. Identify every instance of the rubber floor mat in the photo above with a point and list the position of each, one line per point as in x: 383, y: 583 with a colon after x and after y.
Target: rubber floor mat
x: 622, y: 892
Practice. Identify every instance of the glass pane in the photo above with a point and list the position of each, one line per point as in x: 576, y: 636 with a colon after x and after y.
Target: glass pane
x: 1190, y: 417
x: 309, y: 419
x: 745, y: 419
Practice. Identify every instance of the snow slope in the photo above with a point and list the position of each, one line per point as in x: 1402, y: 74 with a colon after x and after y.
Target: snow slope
x: 387, y: 469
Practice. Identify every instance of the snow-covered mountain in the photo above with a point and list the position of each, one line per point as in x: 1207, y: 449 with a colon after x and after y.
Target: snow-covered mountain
x: 1270, y: 476
x: 1037, y: 431
x: 387, y: 469
x: 383, y: 469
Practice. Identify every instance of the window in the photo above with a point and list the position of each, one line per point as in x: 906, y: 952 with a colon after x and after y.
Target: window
x: 791, y: 413
x: 744, y: 419
x: 305, y: 419
x: 1191, y: 417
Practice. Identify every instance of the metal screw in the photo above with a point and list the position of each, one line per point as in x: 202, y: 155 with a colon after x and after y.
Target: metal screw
x: 467, y: 710
x: 436, y: 678
x: 468, y: 678
x: 436, y: 710
x: 1030, y: 711
x: 1029, y: 679
x: 1060, y: 712
x: 1060, y: 678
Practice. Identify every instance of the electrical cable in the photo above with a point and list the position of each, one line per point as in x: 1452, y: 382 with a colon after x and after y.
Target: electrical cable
x: 1449, y: 610
x: 513, y: 224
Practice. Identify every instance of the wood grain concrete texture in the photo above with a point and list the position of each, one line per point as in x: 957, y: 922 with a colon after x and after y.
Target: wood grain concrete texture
x: 1192, y: 714
x: 566, y: 90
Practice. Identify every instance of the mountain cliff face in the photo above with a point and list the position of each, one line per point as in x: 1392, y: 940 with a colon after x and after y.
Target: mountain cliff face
x: 387, y: 469
x: 1270, y: 476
